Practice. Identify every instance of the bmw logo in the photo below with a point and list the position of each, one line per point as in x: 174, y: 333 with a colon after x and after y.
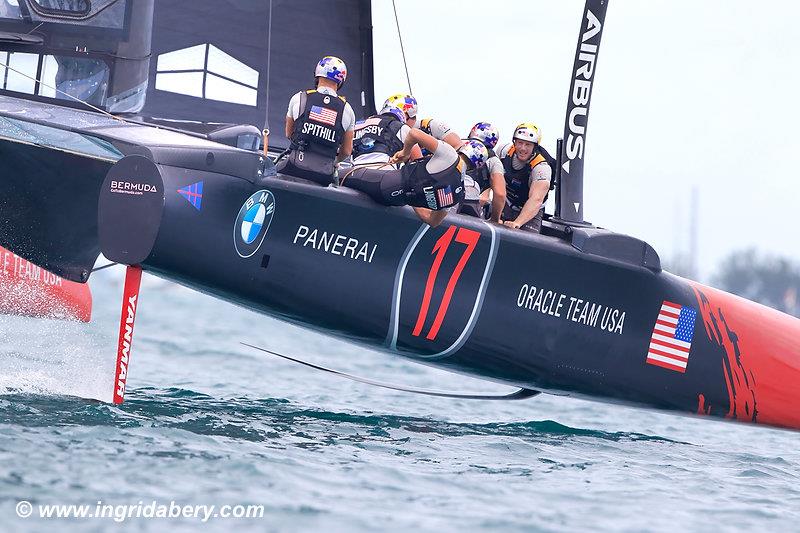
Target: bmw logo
x: 253, y: 222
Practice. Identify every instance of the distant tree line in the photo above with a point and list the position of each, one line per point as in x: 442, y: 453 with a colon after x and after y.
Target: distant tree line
x: 770, y: 280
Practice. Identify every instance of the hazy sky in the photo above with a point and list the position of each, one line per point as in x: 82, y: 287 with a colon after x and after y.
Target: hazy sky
x: 687, y: 94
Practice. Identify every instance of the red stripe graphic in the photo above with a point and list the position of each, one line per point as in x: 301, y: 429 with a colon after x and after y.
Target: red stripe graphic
x: 130, y: 302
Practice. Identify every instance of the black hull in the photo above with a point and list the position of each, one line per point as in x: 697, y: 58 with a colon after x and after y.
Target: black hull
x: 570, y: 313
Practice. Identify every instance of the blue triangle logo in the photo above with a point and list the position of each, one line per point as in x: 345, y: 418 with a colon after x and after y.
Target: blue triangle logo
x: 194, y: 194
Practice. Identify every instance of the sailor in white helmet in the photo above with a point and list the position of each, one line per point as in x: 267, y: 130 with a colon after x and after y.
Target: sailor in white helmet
x: 528, y: 174
x: 319, y: 124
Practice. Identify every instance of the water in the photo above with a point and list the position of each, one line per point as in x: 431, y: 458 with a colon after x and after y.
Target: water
x: 208, y: 421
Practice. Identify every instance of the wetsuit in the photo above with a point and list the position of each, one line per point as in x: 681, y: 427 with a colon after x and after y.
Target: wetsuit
x: 435, y: 182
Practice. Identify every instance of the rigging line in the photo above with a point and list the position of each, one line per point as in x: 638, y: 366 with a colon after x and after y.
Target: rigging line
x: 269, y: 58
x: 104, y: 267
x: 36, y: 28
x: 87, y: 104
x: 402, y: 49
x: 519, y: 394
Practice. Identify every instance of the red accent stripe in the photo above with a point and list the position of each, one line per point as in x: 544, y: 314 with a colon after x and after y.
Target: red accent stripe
x: 672, y: 304
x: 470, y: 238
x: 665, y: 324
x: 668, y: 366
x: 669, y: 345
x: 669, y: 314
x: 665, y: 354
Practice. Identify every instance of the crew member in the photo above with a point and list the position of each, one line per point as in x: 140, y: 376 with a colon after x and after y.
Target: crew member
x: 430, y: 185
x: 440, y: 130
x: 489, y: 177
x: 472, y: 191
x: 528, y: 173
x: 379, y: 137
x: 319, y: 124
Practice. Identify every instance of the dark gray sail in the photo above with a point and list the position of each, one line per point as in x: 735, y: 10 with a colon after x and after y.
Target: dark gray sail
x: 577, y: 119
x: 240, y: 61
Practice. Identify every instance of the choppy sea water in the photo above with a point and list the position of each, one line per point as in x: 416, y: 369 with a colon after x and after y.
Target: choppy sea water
x: 208, y: 421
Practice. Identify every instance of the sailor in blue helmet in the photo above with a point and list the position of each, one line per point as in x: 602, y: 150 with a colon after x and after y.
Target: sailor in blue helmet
x: 379, y: 137
x: 488, y: 178
x: 430, y: 185
x: 319, y: 124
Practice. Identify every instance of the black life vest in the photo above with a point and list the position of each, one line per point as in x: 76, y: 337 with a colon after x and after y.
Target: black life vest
x: 377, y: 134
x: 319, y: 128
x: 518, y: 181
x: 481, y: 175
x: 434, y: 191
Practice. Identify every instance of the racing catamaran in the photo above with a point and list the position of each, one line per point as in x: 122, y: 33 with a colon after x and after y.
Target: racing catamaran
x: 577, y: 311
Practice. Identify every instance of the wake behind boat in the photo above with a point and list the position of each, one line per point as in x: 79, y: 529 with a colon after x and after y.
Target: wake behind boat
x: 577, y: 310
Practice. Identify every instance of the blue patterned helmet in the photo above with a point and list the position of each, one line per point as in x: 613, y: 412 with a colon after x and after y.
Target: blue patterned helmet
x: 396, y: 111
x: 332, y: 68
x: 476, y: 152
x: 406, y: 102
x: 486, y: 133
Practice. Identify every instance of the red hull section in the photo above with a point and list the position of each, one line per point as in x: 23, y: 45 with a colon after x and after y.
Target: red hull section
x: 28, y: 290
x: 762, y: 358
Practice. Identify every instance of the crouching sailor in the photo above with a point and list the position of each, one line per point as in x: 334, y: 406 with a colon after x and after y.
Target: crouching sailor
x: 379, y: 137
x: 319, y: 124
x: 430, y: 185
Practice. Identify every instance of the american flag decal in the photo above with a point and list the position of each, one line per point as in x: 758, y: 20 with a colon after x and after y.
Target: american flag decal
x: 445, y: 196
x: 323, y: 115
x: 671, y: 341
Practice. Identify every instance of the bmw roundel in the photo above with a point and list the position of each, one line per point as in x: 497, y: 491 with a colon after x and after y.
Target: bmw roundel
x: 253, y: 222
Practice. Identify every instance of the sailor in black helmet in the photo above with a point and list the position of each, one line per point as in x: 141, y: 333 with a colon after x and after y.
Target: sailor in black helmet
x: 431, y: 185
x: 319, y: 124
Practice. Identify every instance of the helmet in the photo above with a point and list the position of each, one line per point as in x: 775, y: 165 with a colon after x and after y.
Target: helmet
x: 396, y: 111
x: 475, y: 151
x: 332, y: 68
x: 486, y: 133
x: 406, y: 102
x: 528, y: 131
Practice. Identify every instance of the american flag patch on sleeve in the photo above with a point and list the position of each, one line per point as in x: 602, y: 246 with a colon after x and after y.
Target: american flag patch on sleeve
x: 671, y: 341
x: 445, y: 196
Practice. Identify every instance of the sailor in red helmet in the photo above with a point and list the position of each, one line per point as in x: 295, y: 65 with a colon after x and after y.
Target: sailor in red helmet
x: 528, y: 174
x: 319, y: 124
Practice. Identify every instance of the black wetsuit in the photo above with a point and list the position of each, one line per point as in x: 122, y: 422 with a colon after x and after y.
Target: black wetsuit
x: 410, y: 185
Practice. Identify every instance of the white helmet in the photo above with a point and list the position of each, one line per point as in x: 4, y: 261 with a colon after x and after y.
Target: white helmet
x: 396, y: 111
x: 486, y: 133
x: 528, y: 131
x: 476, y: 152
x: 333, y: 68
